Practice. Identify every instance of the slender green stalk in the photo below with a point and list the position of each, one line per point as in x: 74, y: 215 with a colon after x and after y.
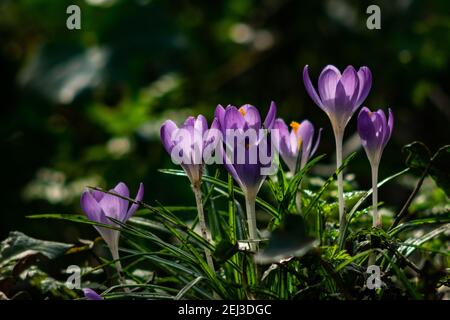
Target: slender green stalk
x: 204, y: 230
x: 376, y: 215
x: 115, y: 256
x: 339, y: 136
x: 298, y: 199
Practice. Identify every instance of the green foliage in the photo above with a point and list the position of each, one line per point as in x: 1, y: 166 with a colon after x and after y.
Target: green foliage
x: 302, y: 257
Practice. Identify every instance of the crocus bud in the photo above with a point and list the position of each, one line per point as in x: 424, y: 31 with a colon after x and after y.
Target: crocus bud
x: 375, y: 131
x: 98, y: 206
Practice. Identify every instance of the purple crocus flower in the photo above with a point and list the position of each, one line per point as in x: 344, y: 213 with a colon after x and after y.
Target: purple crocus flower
x: 243, y: 128
x: 375, y: 130
x: 246, y: 144
x: 191, y: 146
x: 90, y: 294
x: 98, y: 206
x: 340, y: 95
x: 187, y: 144
x: 297, y: 143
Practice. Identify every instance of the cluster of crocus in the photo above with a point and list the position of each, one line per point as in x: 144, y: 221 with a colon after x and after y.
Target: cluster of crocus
x: 100, y: 206
x: 340, y: 95
x: 239, y: 140
x: 246, y: 146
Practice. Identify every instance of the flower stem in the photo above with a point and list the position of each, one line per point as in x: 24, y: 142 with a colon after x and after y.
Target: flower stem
x: 376, y: 215
x: 115, y: 256
x: 339, y: 136
x: 298, y: 199
x: 201, y: 218
x: 251, y: 220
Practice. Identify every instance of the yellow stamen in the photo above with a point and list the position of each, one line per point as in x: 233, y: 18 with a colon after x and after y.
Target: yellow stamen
x: 242, y: 111
x: 295, y: 125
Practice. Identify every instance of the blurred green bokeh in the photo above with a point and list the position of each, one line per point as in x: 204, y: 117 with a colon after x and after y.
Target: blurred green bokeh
x: 83, y: 107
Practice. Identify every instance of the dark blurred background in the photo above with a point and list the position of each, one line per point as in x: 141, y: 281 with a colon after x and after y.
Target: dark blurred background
x: 83, y: 107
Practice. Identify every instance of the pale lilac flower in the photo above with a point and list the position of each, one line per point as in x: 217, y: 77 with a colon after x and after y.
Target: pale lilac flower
x: 296, y: 147
x: 100, y: 206
x: 340, y: 95
x: 375, y: 130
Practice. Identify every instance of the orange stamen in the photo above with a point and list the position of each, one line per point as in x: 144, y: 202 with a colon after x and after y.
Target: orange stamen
x: 242, y: 111
x: 295, y: 125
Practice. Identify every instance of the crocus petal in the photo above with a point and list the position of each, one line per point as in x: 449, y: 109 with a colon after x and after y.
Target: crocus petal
x: 328, y: 81
x: 122, y: 189
x: 251, y: 116
x: 390, y: 124
x: 91, y: 207
x: 365, y: 84
x: 313, y: 151
x: 112, y: 206
x: 166, y: 132
x: 270, y: 117
x: 233, y: 120
x: 310, y: 88
x: 231, y: 170
x: 135, y: 206
x: 343, y: 110
x: 350, y: 80
x: 284, y: 144
x: 220, y: 115
x: 306, y: 132
x: 283, y: 133
x: 201, y: 124
x: 365, y: 126
x: 189, y: 122
x: 90, y: 294
x: 98, y: 195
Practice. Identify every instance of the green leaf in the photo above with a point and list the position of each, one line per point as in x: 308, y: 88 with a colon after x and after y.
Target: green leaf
x: 188, y: 287
x: 350, y: 199
x: 290, y: 193
x: 439, y: 169
x: 407, y: 250
x: 290, y: 239
x: 353, y: 212
x: 418, y: 156
x: 225, y: 250
x: 430, y: 220
x: 419, y: 159
x: 19, y: 245
x: 224, y: 186
x: 330, y: 180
